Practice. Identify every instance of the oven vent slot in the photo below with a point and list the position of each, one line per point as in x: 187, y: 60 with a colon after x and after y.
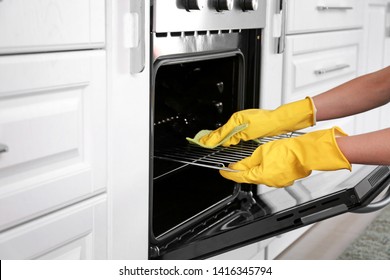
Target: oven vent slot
x: 175, y: 34
x: 218, y: 158
x: 285, y: 217
x: 196, y: 33
x: 189, y: 33
x: 379, y: 175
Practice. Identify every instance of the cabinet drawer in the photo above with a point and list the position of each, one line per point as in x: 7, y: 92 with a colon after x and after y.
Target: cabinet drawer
x: 78, y: 232
x: 317, y: 62
x: 52, y: 119
x: 322, y: 15
x: 41, y: 25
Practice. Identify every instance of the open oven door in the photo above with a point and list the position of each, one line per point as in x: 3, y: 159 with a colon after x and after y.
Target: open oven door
x: 257, y: 216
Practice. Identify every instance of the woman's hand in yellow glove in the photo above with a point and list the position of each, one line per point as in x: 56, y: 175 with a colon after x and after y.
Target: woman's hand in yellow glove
x: 281, y: 162
x: 260, y: 123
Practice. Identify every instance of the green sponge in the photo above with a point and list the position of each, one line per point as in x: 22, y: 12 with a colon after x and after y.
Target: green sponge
x: 202, y: 133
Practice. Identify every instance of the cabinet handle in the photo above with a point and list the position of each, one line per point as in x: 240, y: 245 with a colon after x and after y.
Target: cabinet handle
x: 326, y: 8
x: 330, y: 69
x: 137, y: 51
x: 282, y: 11
x: 3, y: 148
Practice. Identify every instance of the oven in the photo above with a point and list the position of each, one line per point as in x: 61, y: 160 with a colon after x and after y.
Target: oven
x: 205, y: 65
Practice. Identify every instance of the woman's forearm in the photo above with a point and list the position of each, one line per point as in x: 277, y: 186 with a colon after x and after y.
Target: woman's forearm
x: 368, y: 148
x: 358, y: 95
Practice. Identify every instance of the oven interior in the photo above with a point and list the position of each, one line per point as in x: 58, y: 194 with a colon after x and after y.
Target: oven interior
x: 190, y: 94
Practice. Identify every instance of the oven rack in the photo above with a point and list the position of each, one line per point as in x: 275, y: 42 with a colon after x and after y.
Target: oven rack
x: 217, y: 158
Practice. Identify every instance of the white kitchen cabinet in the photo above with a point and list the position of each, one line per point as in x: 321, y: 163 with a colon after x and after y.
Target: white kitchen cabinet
x: 53, y: 121
x: 385, y: 111
x: 47, y: 25
x: 128, y: 146
x: 314, y: 63
x: 323, y: 15
x: 74, y: 180
x: 377, y: 56
x: 375, y: 35
x: 77, y: 232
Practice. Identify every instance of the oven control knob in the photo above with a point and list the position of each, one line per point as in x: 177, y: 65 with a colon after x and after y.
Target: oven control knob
x: 223, y: 5
x: 249, y: 5
x: 193, y: 4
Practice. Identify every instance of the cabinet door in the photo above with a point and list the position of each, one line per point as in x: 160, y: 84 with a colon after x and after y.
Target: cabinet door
x: 385, y: 111
x: 53, y: 121
x: 315, y: 63
x: 323, y: 15
x: 40, y: 25
x: 377, y: 44
x: 385, y: 120
x: 129, y: 107
x: 78, y: 232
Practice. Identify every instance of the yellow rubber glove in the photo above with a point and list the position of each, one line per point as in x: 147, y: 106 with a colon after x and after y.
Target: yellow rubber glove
x: 260, y: 123
x: 281, y: 162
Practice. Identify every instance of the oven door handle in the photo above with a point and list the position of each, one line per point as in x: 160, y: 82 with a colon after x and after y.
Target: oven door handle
x: 378, y: 205
x: 136, y: 20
